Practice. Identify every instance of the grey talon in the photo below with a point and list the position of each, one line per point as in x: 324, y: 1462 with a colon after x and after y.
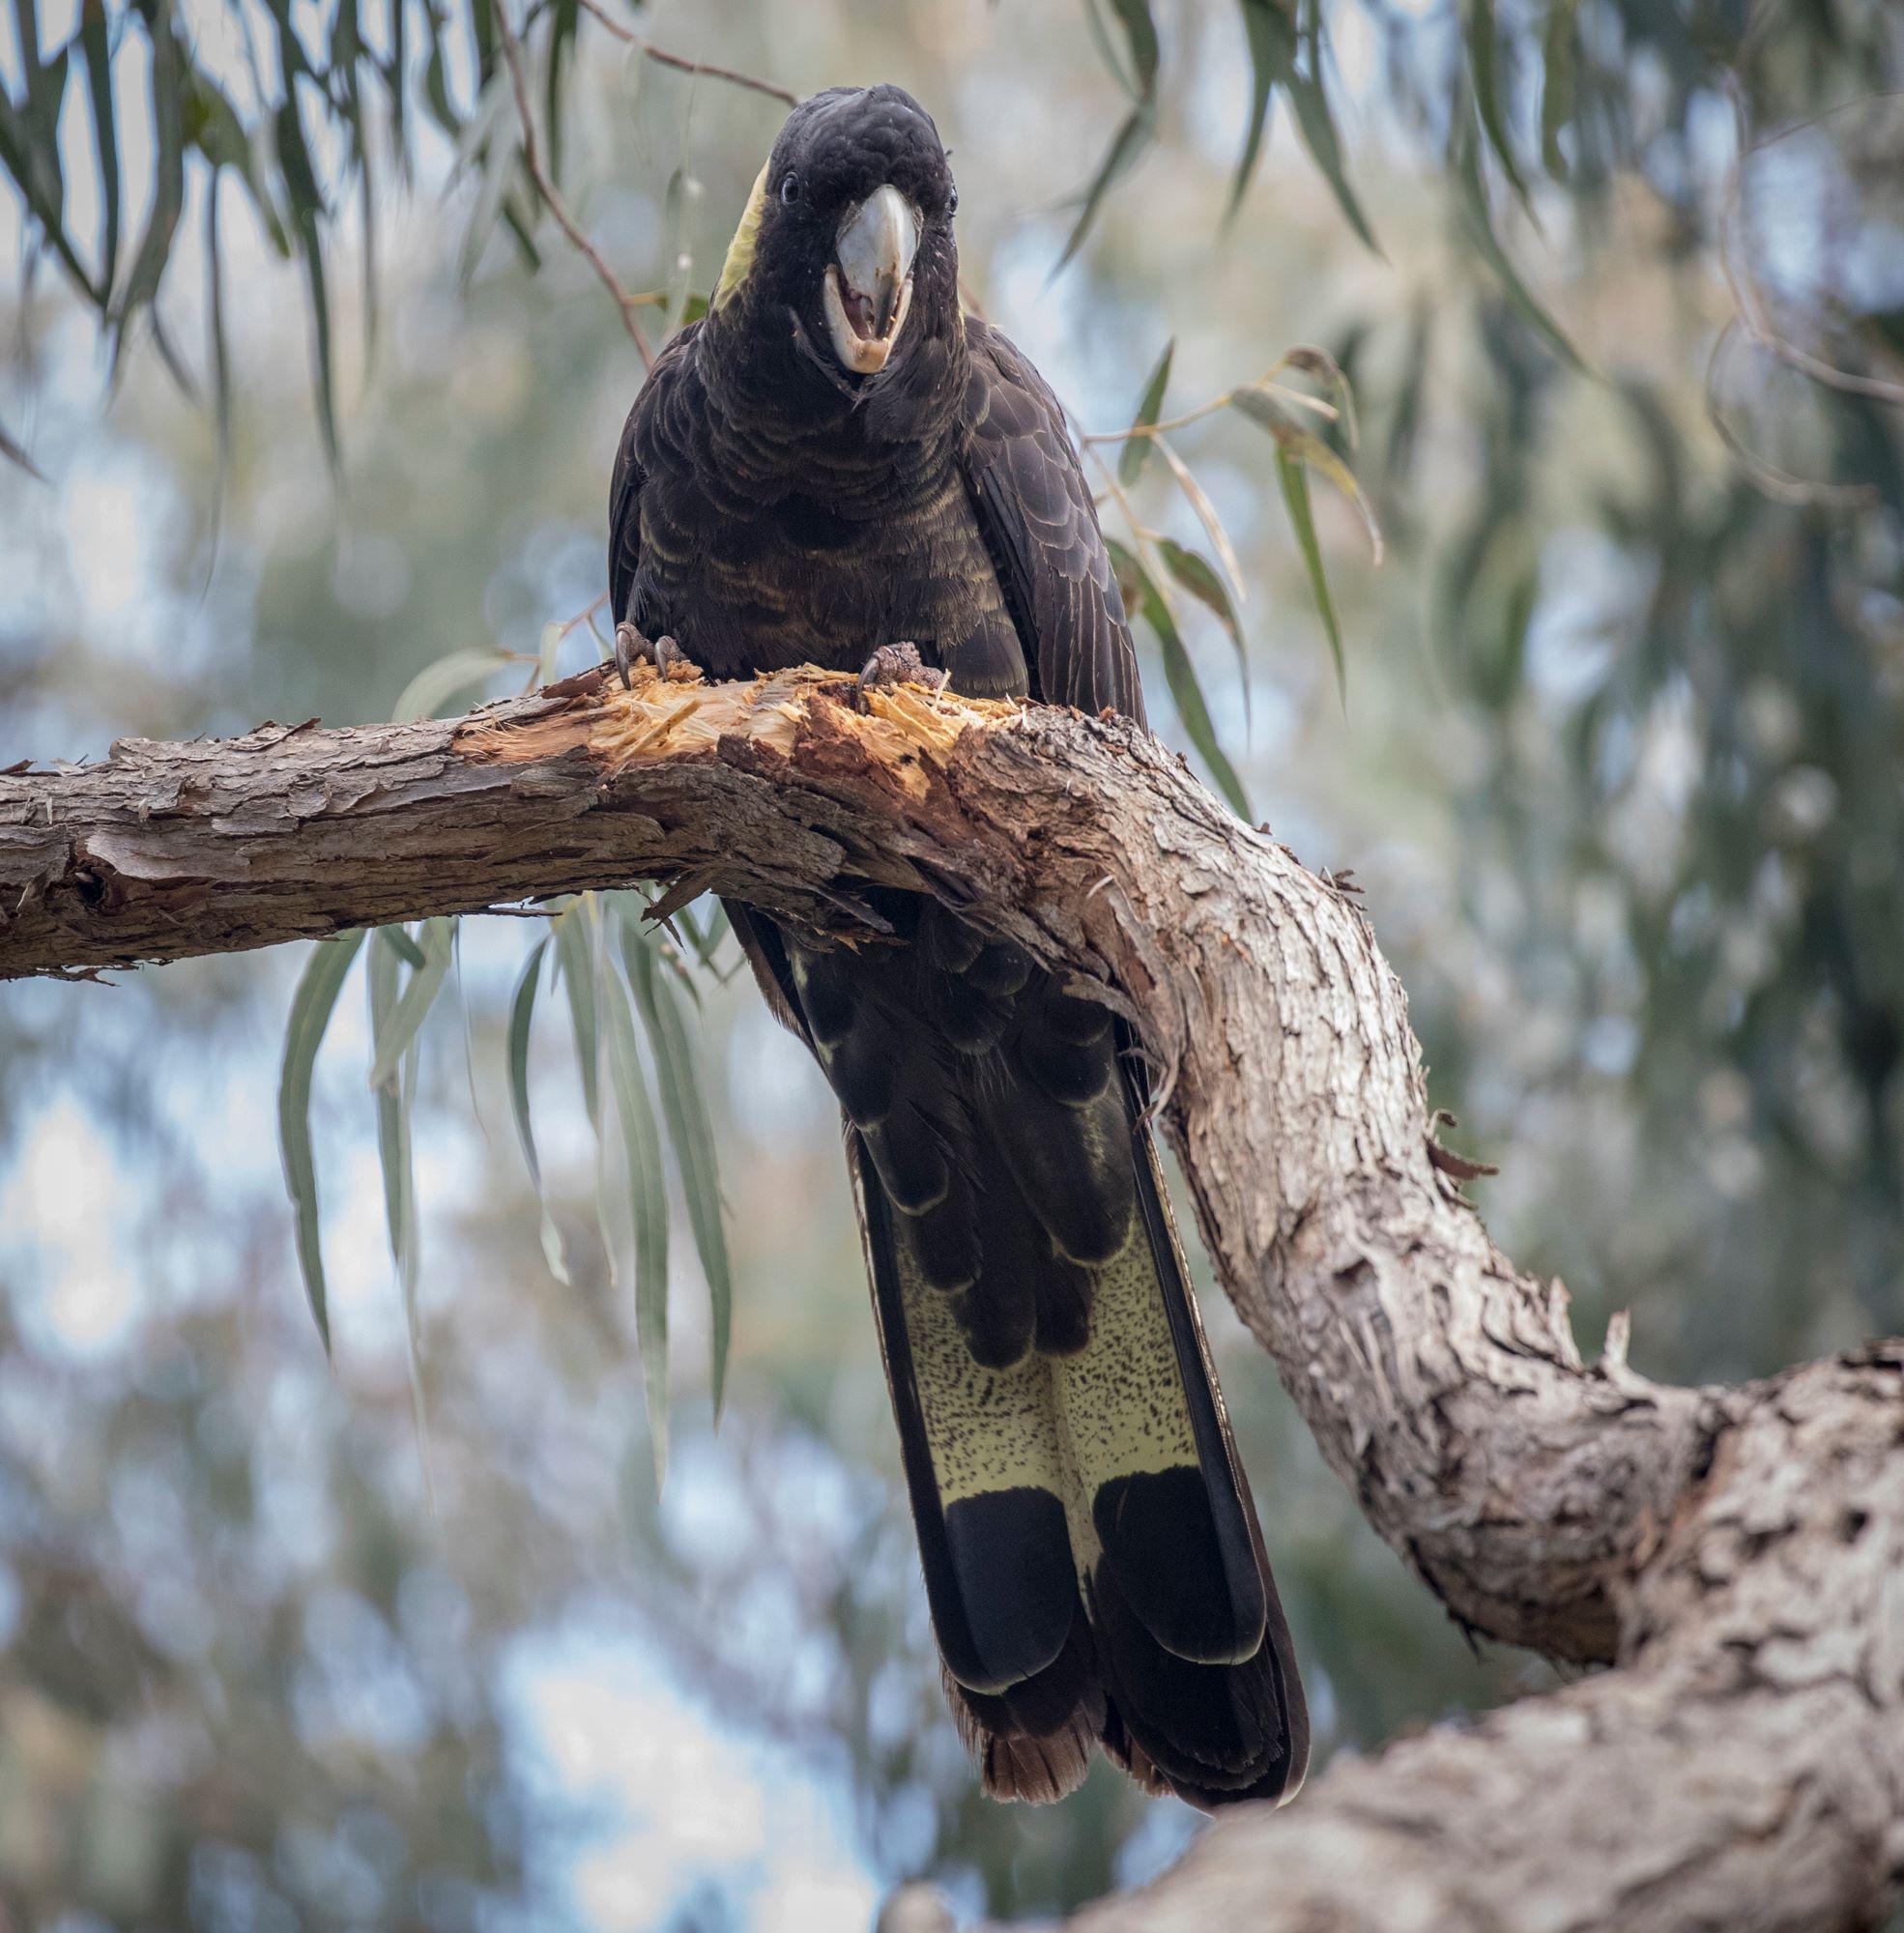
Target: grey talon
x: 898, y: 664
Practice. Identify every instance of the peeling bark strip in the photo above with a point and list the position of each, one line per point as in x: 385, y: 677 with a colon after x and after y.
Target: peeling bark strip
x: 1739, y: 1553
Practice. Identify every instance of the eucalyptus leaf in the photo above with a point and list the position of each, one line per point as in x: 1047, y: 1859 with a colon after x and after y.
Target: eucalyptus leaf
x: 1471, y: 204
x: 168, y: 86
x: 1271, y: 29
x: 1296, y: 440
x: 641, y: 1140
x: 1265, y: 67
x: 1294, y: 476
x: 395, y: 1100
x: 399, y: 1028
x: 96, y: 43
x: 1560, y: 53
x: 1180, y: 674
x: 1135, y: 451
x: 1140, y: 37
x: 397, y: 938
x: 16, y: 452
x: 308, y: 214
x: 1483, y: 65
x: 1129, y: 142
x: 311, y: 1006
x: 576, y: 961
x: 690, y: 1133
x: 1201, y: 579
x: 446, y: 677
x: 521, y: 1014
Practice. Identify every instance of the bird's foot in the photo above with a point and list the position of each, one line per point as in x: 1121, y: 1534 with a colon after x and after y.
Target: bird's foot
x: 898, y: 664
x: 632, y: 647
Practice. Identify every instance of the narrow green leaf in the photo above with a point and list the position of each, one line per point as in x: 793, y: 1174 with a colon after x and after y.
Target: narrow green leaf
x: 396, y: 81
x: 397, y: 938
x: 307, y: 215
x: 395, y: 1099
x: 215, y: 302
x: 225, y: 142
x: 96, y: 43
x: 16, y: 452
x: 1471, y: 203
x: 564, y: 16
x: 1198, y: 498
x: 708, y: 943
x: 1201, y: 579
x: 1484, y: 64
x: 1294, y: 476
x: 33, y: 135
x: 1559, y: 84
x: 418, y: 994
x: 1115, y: 57
x: 311, y: 1006
x: 1126, y: 145
x: 1135, y: 451
x: 576, y: 961
x: 497, y: 146
x: 1141, y: 36
x: 483, y: 31
x: 1271, y: 27
x: 1326, y: 370
x: 381, y: 984
x: 690, y: 1133
x: 1317, y: 127
x: 1145, y: 595
x: 436, y: 77
x: 446, y: 677
x: 20, y: 156
x: 169, y: 67
x: 521, y: 1013
x: 1264, y: 69
x: 366, y: 202
x: 1295, y: 439
x: 548, y: 653
x: 468, y: 1028
x: 641, y: 1140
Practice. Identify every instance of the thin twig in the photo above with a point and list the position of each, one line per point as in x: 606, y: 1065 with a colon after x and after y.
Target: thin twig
x: 1327, y: 411
x: 531, y: 160
x: 1743, y: 283
x: 584, y: 617
x: 682, y: 64
x: 1781, y: 485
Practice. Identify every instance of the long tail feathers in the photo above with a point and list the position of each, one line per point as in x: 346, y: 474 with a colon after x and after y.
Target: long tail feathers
x: 1092, y: 1559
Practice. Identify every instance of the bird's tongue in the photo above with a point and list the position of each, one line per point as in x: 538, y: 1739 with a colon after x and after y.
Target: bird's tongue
x: 861, y: 312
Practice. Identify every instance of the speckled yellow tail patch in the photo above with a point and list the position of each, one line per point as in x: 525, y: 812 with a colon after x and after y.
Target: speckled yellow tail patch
x: 1062, y: 1424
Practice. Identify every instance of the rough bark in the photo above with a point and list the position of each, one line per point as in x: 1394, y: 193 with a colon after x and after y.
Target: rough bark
x: 1734, y: 1551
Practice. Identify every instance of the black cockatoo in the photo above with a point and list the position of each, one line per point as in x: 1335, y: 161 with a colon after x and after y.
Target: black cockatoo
x: 837, y: 466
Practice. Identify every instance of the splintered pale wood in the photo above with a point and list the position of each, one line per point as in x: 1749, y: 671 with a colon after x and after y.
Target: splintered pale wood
x: 1737, y: 1554
x: 295, y: 832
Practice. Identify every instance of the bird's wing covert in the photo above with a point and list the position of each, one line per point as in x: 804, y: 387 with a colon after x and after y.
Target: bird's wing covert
x: 625, y: 490
x: 1041, y: 527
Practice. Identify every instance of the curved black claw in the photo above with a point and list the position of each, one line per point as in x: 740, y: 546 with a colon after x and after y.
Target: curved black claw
x: 898, y: 664
x: 632, y: 647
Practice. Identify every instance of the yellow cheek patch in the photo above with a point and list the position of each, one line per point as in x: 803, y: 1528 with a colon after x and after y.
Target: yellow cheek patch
x: 741, y: 250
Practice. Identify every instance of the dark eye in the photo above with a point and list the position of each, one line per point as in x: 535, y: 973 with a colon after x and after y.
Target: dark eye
x: 952, y: 200
x: 792, y: 188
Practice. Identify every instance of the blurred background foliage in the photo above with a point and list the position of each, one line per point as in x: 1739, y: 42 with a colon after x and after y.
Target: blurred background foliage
x: 323, y: 397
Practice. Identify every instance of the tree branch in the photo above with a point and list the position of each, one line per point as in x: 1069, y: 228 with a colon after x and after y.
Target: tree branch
x: 1739, y: 1553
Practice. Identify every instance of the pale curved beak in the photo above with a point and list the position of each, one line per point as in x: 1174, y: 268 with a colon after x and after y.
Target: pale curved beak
x: 869, y: 283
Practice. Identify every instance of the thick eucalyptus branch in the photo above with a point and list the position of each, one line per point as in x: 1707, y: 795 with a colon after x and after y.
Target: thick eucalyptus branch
x: 1735, y: 1551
